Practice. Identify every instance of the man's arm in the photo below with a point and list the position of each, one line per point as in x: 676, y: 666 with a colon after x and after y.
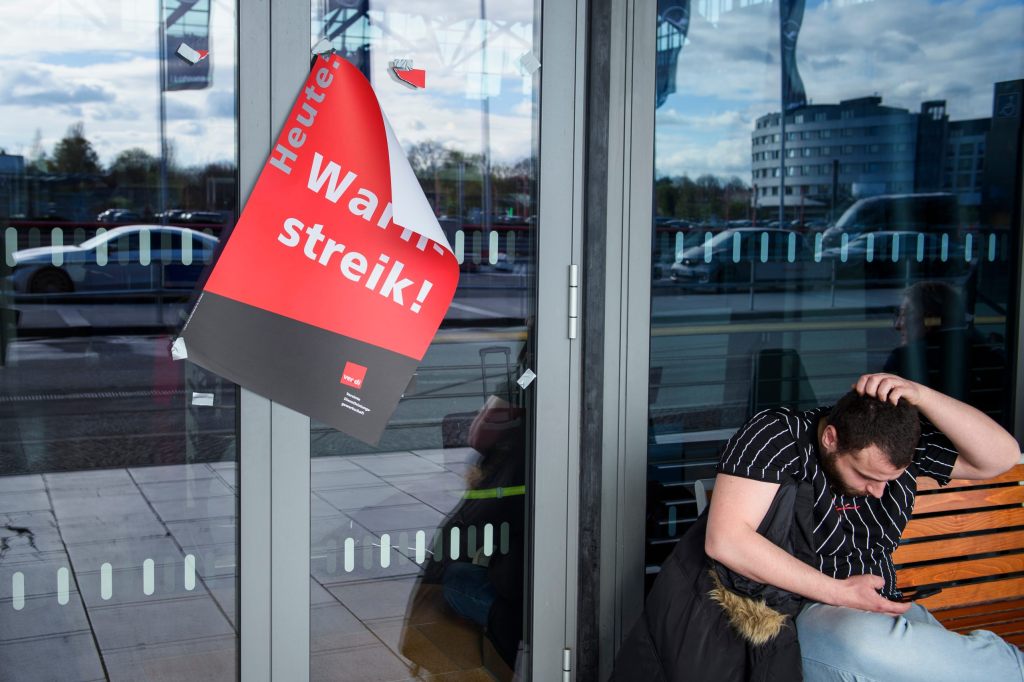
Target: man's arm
x: 985, y: 448
x: 737, y: 508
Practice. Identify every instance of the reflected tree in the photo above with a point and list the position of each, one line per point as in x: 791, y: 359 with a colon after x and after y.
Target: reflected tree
x: 74, y: 153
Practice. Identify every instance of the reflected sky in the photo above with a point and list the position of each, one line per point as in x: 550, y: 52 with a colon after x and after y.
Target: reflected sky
x: 467, y: 59
x: 906, y: 51
x: 97, y: 62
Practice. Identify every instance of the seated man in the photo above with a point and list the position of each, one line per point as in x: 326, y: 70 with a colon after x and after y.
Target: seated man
x: 862, y: 459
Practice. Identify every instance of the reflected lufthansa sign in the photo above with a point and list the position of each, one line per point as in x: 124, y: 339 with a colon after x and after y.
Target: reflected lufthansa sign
x: 185, y: 22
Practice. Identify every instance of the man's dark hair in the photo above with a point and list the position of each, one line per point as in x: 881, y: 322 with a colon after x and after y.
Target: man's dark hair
x: 861, y: 421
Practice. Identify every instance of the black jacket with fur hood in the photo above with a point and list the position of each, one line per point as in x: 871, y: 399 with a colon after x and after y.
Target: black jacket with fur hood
x: 705, y: 623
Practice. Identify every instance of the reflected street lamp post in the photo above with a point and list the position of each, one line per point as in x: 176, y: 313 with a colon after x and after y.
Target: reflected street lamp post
x: 162, y: 192
x: 485, y: 115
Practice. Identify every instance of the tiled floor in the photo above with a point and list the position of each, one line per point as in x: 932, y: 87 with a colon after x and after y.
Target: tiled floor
x: 371, y: 619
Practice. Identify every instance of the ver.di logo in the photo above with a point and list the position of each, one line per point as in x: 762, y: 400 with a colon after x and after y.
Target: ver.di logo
x: 353, y: 375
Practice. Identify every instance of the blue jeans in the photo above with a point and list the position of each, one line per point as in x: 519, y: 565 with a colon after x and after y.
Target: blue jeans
x: 468, y: 591
x: 847, y: 645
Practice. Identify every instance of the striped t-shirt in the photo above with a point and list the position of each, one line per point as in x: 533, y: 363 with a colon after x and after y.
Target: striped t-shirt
x: 852, y: 535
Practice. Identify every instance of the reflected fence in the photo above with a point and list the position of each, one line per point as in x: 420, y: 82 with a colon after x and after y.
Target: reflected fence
x: 750, y: 258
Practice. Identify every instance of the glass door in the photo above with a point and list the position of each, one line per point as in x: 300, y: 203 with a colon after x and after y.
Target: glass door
x: 118, y: 465
x: 419, y: 563
x: 854, y: 211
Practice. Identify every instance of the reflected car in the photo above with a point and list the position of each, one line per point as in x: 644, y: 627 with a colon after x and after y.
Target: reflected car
x: 935, y: 212
x: 898, y: 254
x: 127, y: 259
x: 172, y: 215
x: 203, y: 217
x: 118, y: 215
x: 732, y: 257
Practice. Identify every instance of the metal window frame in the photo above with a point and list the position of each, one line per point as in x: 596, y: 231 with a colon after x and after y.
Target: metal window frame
x: 554, y: 518
x: 624, y: 374
x: 274, y: 477
x: 274, y: 473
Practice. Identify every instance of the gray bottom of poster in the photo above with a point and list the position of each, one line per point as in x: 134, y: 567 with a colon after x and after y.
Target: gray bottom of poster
x: 311, y: 370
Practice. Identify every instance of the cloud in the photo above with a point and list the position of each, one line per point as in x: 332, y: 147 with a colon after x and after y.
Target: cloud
x: 178, y: 110
x: 36, y: 86
x: 188, y: 129
x: 907, y: 52
x: 220, y: 104
x: 677, y: 155
x: 720, y: 119
x: 826, y: 62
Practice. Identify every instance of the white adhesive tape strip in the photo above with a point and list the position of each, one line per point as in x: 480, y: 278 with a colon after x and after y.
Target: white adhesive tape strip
x: 322, y: 46
x: 178, y: 350
x: 526, y: 379
x: 202, y: 399
x: 188, y: 54
x: 529, y: 62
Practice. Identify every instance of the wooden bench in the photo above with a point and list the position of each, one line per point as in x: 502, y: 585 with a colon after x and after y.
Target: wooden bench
x: 968, y: 539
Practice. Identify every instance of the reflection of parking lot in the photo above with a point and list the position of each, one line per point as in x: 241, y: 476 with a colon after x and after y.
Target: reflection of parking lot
x: 126, y: 259
x: 766, y: 258
x: 119, y: 400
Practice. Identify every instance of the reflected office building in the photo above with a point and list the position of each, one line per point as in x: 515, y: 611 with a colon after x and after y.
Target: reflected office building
x: 858, y: 148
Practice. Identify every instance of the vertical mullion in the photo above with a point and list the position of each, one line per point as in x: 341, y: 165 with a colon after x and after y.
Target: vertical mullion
x: 255, y: 551
x: 558, y: 221
x: 289, y: 537
x: 253, y: 109
x: 638, y: 169
x: 289, y: 494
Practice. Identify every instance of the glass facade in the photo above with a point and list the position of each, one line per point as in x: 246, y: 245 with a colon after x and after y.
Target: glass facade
x: 418, y: 544
x: 118, y: 465
x: 869, y: 229
x: 827, y: 201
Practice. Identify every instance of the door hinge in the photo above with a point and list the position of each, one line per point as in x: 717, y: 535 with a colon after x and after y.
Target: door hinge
x: 566, y: 664
x: 574, y: 300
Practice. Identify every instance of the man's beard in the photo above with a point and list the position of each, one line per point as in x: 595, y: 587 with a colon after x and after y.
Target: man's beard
x: 828, y: 465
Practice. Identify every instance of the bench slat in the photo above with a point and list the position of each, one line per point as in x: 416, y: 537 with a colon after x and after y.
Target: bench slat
x: 962, y: 570
x: 958, y: 547
x: 1001, y: 629
x: 969, y: 499
x: 1012, y: 476
x: 955, y: 614
x: 975, y: 594
x: 985, y: 620
x: 963, y: 523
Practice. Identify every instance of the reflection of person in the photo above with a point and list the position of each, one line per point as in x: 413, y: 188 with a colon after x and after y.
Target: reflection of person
x: 939, y: 348
x: 484, y: 588
x: 860, y: 461
x: 488, y: 590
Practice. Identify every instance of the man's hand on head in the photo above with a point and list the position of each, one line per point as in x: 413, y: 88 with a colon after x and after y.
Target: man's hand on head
x: 985, y: 449
x: 889, y: 388
x: 861, y: 592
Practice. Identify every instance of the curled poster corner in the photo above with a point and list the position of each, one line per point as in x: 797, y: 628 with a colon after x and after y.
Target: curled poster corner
x: 178, y: 350
x: 322, y: 46
x: 529, y: 62
x: 202, y: 399
x: 192, y: 56
x: 526, y: 379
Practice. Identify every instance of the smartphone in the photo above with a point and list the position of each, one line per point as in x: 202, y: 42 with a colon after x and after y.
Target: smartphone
x: 914, y: 595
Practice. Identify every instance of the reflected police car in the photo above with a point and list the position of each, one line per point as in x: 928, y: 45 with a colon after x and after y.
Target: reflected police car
x: 128, y: 259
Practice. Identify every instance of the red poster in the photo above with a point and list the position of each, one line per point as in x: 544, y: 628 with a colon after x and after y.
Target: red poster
x: 337, y: 275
